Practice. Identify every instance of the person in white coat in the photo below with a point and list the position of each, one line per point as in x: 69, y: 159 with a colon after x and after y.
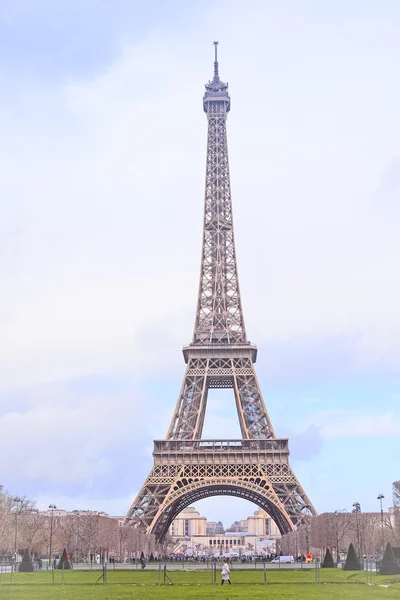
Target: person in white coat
x: 225, y: 572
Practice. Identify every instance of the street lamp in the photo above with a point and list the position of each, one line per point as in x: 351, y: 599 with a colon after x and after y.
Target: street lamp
x: 337, y: 512
x: 380, y: 498
x: 52, y: 507
x: 18, y: 502
x: 356, y: 510
x: 77, y: 534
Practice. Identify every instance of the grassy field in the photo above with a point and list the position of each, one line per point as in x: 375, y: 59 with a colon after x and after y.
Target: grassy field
x: 194, y: 585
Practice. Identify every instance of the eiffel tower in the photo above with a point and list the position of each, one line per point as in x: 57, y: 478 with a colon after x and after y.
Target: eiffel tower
x: 186, y: 467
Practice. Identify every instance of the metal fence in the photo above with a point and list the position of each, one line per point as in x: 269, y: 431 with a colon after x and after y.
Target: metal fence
x: 163, y: 573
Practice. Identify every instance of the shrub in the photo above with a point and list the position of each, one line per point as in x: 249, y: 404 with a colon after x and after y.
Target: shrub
x: 26, y: 565
x: 390, y: 565
x: 328, y: 560
x: 64, y: 562
x: 352, y: 563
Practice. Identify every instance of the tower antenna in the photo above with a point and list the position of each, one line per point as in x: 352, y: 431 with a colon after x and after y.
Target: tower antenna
x: 216, y: 74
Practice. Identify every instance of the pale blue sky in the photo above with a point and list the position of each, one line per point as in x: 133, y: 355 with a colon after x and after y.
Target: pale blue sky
x: 102, y: 153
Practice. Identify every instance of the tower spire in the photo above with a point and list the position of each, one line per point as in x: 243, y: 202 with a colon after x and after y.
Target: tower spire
x: 216, y: 89
x: 216, y: 74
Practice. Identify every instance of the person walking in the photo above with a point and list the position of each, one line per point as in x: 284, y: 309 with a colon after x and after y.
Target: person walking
x: 225, y: 572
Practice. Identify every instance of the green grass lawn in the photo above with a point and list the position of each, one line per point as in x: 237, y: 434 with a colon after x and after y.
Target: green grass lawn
x: 197, y: 585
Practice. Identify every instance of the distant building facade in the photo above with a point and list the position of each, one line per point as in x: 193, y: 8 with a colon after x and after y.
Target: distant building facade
x: 214, y: 528
x: 192, y: 535
x: 188, y: 523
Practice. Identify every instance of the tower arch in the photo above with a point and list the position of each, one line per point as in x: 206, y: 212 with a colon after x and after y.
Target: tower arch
x: 253, y: 491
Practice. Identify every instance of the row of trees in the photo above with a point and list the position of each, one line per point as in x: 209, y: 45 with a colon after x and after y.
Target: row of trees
x: 368, y: 532
x: 83, y: 533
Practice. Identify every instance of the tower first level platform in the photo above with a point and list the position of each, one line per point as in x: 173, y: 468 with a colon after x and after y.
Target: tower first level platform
x: 186, y: 471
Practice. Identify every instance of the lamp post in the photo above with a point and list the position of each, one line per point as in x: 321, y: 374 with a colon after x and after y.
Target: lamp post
x: 337, y: 512
x: 380, y: 498
x: 77, y: 535
x: 356, y: 510
x: 52, y: 507
x: 18, y: 502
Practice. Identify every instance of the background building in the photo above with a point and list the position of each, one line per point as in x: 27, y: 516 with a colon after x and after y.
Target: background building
x: 188, y: 523
x: 192, y: 534
x: 214, y: 528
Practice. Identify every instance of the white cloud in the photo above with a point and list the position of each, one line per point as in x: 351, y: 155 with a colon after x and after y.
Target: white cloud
x: 67, y: 439
x: 102, y: 200
x: 349, y: 423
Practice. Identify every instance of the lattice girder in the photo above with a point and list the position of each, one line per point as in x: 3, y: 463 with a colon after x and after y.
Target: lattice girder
x: 178, y: 476
x: 201, y: 375
x: 219, y: 317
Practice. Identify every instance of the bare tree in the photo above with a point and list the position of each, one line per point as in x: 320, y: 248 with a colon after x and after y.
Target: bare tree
x: 151, y: 544
x: 125, y: 542
x: 396, y: 524
x: 331, y: 530
x: 33, y: 530
x: 391, y: 523
x: 108, y: 536
x: 67, y: 533
x: 396, y: 493
x: 12, y: 511
x: 250, y: 548
x: 89, y: 529
x: 169, y: 545
x: 6, y: 504
x: 304, y: 538
x: 22, y: 526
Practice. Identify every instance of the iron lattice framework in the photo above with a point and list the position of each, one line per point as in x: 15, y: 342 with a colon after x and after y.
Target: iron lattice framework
x: 187, y: 468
